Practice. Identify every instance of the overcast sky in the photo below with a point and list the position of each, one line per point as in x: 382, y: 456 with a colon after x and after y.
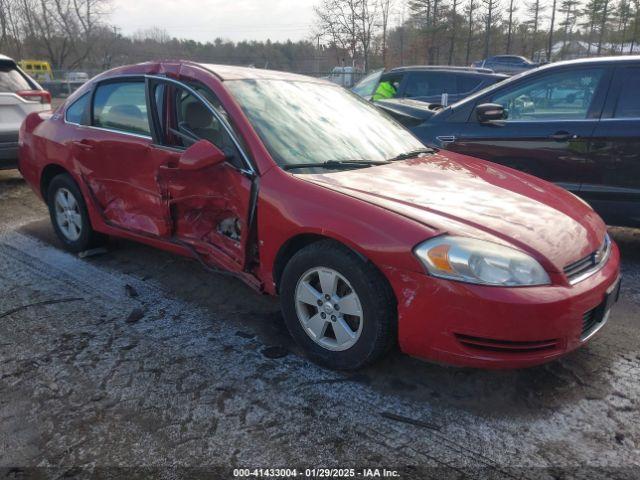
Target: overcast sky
x: 207, y: 19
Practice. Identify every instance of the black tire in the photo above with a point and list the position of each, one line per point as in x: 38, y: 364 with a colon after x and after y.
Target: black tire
x: 88, y: 238
x: 379, y: 308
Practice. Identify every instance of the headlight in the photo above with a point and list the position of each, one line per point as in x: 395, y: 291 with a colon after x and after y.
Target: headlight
x: 477, y: 261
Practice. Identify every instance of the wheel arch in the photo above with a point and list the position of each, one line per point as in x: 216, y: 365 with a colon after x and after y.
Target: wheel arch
x: 296, y: 243
x: 49, y: 173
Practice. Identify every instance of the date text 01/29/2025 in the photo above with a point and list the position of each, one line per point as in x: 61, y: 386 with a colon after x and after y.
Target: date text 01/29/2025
x: 315, y: 473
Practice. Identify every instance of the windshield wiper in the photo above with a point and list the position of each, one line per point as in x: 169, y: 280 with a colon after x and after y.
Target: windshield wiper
x: 411, y: 154
x: 335, y: 164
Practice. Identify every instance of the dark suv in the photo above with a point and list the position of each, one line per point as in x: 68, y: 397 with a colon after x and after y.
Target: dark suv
x: 574, y: 123
x: 428, y: 83
x: 509, y: 64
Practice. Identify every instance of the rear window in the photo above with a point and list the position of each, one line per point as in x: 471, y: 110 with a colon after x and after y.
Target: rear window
x: 468, y: 83
x: 11, y: 80
x: 78, y: 111
x: 121, y: 106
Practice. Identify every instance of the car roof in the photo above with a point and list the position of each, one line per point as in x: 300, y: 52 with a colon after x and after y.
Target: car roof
x: 231, y: 72
x: 443, y: 68
x: 4, y: 58
x: 594, y: 60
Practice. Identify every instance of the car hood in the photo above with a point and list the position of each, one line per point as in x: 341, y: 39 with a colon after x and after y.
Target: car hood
x: 408, y: 111
x: 460, y: 195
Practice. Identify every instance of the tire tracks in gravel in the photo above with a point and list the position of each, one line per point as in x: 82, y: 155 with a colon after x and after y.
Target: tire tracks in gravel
x: 451, y: 447
x: 473, y: 446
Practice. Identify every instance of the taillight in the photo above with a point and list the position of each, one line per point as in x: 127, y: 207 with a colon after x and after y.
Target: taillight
x: 41, y: 96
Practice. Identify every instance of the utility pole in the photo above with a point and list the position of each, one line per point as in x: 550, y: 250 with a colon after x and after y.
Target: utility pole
x: 318, y: 53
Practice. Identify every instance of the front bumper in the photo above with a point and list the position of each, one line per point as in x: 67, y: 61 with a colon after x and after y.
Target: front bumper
x: 495, y: 327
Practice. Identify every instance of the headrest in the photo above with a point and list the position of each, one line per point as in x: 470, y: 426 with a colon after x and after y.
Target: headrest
x: 197, y: 115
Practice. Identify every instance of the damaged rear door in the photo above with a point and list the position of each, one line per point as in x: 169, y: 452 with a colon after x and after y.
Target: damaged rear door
x: 210, y: 208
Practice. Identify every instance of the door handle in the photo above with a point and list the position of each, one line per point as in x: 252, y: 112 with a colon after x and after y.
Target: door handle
x: 445, y: 139
x: 82, y: 144
x: 562, y: 136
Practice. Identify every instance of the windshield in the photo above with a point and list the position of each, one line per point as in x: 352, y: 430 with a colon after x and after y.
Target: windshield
x: 308, y: 122
x: 367, y: 86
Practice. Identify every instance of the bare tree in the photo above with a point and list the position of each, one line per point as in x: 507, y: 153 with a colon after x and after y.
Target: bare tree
x: 568, y: 9
x: 60, y: 30
x: 349, y: 24
x: 636, y: 25
x: 604, y: 19
x: 453, y: 27
x: 367, y: 17
x: 535, y: 11
x: 491, y: 16
x: 385, y: 10
x: 470, y: 11
x: 551, y: 28
x: 427, y: 15
x: 623, y: 12
x: 591, y: 14
x: 511, y: 10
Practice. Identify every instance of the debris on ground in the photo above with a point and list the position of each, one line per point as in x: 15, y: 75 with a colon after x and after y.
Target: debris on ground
x: 275, y: 352
x: 411, y: 421
x: 136, y: 315
x: 130, y: 291
x: 93, y: 252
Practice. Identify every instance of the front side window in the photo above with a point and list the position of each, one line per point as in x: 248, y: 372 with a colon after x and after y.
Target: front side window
x: 308, y: 122
x: 121, y: 106
x: 556, y: 96
x: 628, y: 100
x: 78, y: 111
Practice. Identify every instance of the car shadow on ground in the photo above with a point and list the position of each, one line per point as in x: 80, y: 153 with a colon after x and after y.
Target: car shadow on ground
x: 10, y: 180
x: 584, y: 374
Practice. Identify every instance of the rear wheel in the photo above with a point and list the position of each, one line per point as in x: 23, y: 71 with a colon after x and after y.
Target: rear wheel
x: 69, y: 216
x: 337, y: 306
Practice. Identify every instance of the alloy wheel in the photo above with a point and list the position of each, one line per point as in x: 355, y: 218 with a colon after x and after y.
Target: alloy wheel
x: 68, y: 216
x: 329, y: 309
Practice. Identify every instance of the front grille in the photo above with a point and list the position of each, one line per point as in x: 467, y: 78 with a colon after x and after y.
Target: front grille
x: 580, y: 269
x: 506, y: 346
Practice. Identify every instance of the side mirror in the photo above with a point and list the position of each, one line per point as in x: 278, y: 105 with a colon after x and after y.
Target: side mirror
x: 490, y: 112
x: 201, y: 154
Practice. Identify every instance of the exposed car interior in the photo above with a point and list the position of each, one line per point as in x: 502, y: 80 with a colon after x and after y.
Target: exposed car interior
x: 195, y: 120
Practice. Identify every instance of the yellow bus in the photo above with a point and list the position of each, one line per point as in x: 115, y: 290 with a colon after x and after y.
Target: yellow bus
x: 38, y: 69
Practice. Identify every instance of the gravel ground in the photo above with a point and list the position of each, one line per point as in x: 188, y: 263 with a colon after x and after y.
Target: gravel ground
x: 141, y: 360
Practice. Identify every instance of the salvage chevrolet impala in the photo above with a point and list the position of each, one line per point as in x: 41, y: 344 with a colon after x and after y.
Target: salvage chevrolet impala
x: 300, y: 189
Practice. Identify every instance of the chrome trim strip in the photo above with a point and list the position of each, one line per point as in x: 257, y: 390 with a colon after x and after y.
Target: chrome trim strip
x: 587, y: 273
x: 602, y: 323
x: 131, y: 134
x: 122, y: 132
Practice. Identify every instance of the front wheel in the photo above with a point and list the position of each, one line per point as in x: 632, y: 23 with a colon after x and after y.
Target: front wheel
x: 337, y: 306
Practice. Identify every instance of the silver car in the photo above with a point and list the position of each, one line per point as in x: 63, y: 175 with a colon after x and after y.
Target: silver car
x: 19, y: 96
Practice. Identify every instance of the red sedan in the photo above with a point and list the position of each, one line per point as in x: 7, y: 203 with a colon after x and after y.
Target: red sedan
x: 301, y: 189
